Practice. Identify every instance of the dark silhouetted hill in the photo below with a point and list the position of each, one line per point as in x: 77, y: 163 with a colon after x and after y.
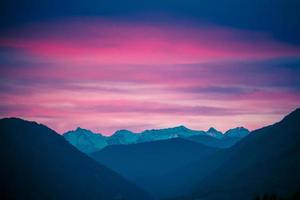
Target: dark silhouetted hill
x: 147, y: 163
x: 266, y: 161
x: 37, y: 163
x: 214, y: 142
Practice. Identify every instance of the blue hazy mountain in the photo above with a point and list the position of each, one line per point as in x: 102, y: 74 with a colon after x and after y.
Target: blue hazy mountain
x: 123, y: 137
x: 167, y: 133
x: 214, y: 133
x: 37, y: 163
x: 144, y: 161
x: 220, y: 140
x: 85, y: 140
x: 89, y: 142
x: 238, y: 132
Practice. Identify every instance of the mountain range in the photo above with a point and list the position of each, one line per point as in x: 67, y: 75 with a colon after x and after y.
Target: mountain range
x: 265, y: 161
x: 89, y: 142
x: 37, y: 163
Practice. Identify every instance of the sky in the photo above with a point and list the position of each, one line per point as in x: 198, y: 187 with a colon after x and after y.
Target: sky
x: 120, y: 64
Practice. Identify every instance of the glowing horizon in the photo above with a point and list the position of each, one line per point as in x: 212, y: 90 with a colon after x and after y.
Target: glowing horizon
x: 106, y: 75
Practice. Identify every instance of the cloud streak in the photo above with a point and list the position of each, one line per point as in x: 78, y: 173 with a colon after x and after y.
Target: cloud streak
x: 137, y: 75
x: 101, y: 41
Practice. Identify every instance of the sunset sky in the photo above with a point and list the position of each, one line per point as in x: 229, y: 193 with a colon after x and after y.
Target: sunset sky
x: 108, y: 65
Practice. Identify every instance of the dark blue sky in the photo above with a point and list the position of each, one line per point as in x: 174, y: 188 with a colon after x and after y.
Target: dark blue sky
x: 280, y: 18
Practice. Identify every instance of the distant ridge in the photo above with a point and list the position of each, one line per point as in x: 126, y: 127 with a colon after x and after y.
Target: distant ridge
x: 89, y: 142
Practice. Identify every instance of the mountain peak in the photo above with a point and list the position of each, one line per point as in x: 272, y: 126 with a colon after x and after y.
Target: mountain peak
x: 85, y: 140
x: 239, y: 128
x: 214, y: 132
x: 238, y: 132
x: 212, y: 129
x: 81, y: 129
x: 122, y: 136
x: 123, y: 132
x: 181, y: 127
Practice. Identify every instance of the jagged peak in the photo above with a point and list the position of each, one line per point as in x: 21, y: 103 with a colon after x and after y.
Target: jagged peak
x: 181, y: 127
x: 80, y: 130
x: 123, y: 131
x: 212, y: 129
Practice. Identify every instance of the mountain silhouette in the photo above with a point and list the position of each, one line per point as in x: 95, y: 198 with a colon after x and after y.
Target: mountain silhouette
x: 225, y: 142
x: 265, y: 161
x: 37, y: 163
x: 146, y: 163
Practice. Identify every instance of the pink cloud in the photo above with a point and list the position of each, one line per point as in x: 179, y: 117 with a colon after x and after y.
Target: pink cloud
x: 99, y: 41
x: 105, y: 75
